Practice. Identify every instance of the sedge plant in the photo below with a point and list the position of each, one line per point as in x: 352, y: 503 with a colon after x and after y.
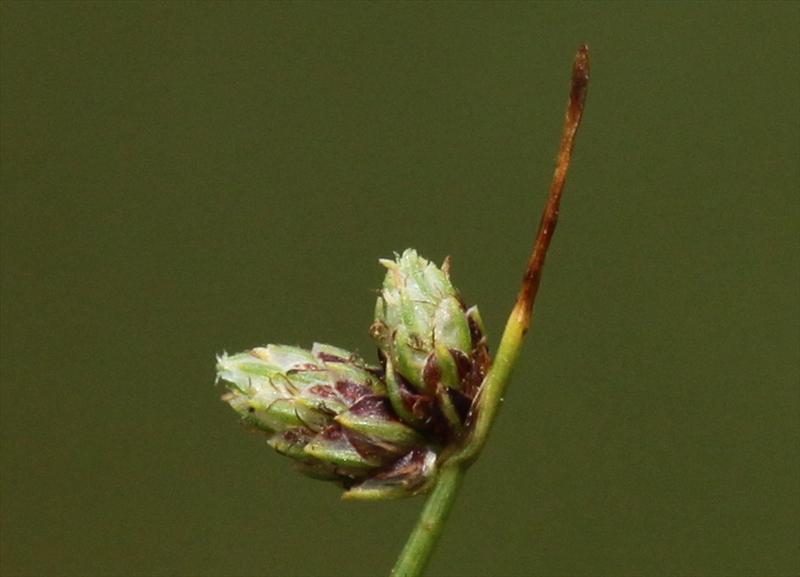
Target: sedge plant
x: 415, y: 421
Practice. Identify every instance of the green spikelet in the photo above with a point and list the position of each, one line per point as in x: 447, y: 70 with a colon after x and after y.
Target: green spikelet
x: 433, y: 347
x: 329, y: 411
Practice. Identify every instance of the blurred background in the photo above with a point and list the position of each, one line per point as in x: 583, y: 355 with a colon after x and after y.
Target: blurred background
x: 180, y: 179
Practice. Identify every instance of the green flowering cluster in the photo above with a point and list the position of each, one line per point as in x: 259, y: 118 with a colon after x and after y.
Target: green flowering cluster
x: 378, y: 430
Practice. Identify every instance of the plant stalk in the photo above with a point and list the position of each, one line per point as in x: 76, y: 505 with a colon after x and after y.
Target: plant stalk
x: 423, y: 538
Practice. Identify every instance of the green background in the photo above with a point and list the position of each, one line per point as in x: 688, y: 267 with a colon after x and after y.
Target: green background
x: 180, y: 179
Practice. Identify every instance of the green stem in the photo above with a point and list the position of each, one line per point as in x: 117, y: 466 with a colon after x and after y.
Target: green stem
x: 423, y: 538
x: 420, y: 544
x: 493, y: 387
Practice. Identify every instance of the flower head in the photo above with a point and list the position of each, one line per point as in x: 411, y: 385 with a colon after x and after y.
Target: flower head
x: 328, y: 410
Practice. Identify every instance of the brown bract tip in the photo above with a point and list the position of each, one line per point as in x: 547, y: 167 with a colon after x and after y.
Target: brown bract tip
x: 580, y: 67
x: 580, y: 79
x: 547, y: 226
